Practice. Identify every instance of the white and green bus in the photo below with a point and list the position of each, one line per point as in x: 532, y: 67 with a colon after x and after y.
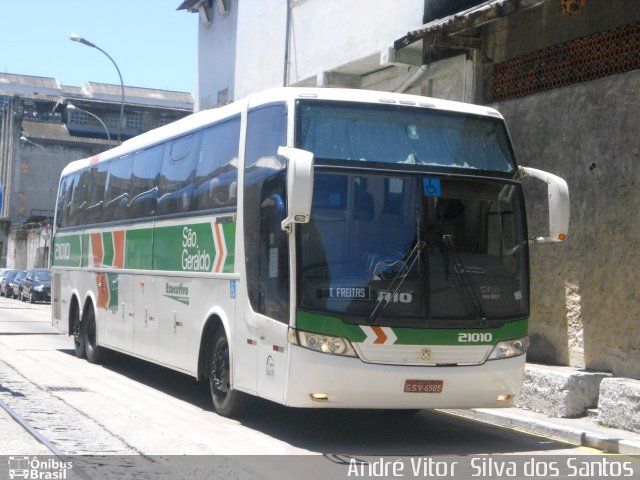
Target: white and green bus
x: 314, y: 247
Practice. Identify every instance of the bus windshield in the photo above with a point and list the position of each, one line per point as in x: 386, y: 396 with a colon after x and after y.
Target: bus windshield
x: 410, y: 249
x: 403, y: 135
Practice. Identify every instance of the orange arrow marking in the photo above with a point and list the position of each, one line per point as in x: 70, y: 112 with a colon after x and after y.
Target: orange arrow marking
x: 381, y: 337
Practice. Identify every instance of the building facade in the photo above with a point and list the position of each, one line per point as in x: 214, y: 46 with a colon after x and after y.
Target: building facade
x: 564, y: 73
x: 45, y: 126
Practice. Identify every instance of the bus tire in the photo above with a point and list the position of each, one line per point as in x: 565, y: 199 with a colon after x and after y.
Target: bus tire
x: 77, y: 330
x: 93, y: 351
x: 226, y: 401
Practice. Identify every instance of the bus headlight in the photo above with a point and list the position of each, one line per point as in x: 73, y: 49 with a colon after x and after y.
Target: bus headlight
x: 322, y: 343
x: 510, y: 348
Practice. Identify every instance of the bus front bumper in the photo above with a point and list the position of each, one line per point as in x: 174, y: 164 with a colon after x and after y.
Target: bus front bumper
x: 318, y: 380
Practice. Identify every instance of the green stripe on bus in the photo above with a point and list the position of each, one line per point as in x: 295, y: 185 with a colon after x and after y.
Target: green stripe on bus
x: 318, y: 323
x: 180, y: 248
x: 329, y: 325
x: 450, y: 336
x: 108, y: 250
x: 138, y: 249
x: 229, y: 230
x: 112, y: 283
x: 85, y: 250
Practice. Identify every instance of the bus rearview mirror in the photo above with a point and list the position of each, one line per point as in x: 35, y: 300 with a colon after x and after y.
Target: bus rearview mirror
x: 299, y: 185
x: 558, y: 195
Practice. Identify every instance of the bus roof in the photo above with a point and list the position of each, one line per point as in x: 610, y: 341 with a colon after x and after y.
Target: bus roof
x: 282, y: 94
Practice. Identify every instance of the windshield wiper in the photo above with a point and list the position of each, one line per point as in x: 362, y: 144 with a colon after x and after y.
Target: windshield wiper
x: 399, y: 278
x: 467, y: 293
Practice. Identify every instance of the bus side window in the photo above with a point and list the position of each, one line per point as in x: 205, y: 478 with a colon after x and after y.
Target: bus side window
x: 116, y: 195
x: 215, y: 184
x: 77, y: 208
x: 64, y: 200
x: 95, y: 194
x: 266, y: 131
x: 143, y: 189
x: 175, y: 183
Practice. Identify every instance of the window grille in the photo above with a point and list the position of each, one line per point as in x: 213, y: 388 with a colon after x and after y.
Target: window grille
x: 588, y: 58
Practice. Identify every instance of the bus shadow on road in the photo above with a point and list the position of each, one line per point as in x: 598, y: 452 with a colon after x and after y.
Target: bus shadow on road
x: 340, y: 431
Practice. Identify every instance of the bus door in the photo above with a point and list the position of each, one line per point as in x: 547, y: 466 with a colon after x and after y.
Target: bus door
x: 173, y: 319
x: 266, y: 247
x: 146, y: 318
x: 272, y: 292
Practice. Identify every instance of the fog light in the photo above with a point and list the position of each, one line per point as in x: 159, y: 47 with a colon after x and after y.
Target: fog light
x: 319, y: 397
x: 504, y: 398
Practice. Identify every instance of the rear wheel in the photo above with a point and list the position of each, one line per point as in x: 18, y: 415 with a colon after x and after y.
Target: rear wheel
x: 93, y: 351
x: 78, y: 332
x: 226, y: 401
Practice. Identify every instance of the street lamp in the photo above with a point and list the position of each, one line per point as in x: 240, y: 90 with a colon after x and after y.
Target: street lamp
x: 46, y: 259
x: 24, y: 139
x: 71, y: 106
x: 77, y: 38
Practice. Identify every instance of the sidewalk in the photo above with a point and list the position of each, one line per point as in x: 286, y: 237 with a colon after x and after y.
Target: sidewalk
x: 583, y: 432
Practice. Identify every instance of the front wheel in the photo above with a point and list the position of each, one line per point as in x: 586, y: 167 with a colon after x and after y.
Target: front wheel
x: 93, y: 351
x: 226, y: 401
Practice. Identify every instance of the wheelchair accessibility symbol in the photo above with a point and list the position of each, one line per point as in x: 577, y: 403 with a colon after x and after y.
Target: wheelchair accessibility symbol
x: 431, y: 186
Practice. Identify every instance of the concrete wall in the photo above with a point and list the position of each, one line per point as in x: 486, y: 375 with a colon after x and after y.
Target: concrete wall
x: 260, y: 45
x: 29, y: 248
x: 544, y: 26
x: 216, y: 58
x: 585, y: 291
x: 35, y: 176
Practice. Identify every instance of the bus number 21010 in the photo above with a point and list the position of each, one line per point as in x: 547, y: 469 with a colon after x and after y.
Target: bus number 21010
x: 475, y: 337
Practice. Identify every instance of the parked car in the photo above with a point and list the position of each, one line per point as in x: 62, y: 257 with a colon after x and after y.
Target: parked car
x: 16, y: 283
x: 36, y: 286
x: 6, y: 276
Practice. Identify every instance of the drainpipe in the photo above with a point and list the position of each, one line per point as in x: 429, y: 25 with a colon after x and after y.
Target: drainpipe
x: 285, y: 80
x: 417, y: 76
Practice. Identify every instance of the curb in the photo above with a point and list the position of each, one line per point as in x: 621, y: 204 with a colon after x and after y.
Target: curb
x: 563, y: 433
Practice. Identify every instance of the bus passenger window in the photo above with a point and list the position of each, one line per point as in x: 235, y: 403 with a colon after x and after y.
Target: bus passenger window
x: 95, y: 194
x: 116, y: 195
x: 64, y: 200
x: 215, y: 184
x: 143, y: 189
x: 175, y: 183
x: 77, y: 209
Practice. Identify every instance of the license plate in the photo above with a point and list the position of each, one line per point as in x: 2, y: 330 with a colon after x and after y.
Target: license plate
x: 423, y: 386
